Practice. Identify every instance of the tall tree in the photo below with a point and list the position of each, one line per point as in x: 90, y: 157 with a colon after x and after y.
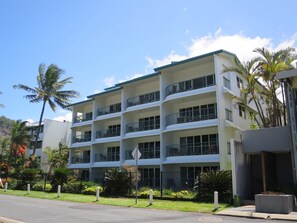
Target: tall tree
x: 262, y: 85
x: 49, y: 90
x: 19, y: 138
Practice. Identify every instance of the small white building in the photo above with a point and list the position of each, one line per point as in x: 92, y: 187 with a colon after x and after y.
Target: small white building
x: 52, y: 132
x: 181, y: 117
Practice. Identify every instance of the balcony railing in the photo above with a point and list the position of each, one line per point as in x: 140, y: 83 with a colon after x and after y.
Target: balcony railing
x: 109, y: 109
x: 83, y: 118
x: 81, y: 139
x: 178, y: 118
x: 150, y: 153
x: 192, y: 150
x: 107, y: 133
x: 80, y: 159
x: 99, y: 157
x: 143, y: 99
x: 141, y: 126
x: 189, y: 85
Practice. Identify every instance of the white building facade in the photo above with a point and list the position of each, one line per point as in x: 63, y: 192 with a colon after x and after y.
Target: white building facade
x: 52, y: 132
x: 181, y: 117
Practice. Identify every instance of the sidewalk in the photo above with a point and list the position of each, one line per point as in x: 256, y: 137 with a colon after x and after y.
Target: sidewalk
x: 250, y: 212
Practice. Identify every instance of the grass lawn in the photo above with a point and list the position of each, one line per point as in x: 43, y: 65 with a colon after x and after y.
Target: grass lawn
x: 189, y: 206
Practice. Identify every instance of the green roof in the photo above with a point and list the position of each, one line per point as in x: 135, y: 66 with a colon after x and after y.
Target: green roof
x: 194, y: 58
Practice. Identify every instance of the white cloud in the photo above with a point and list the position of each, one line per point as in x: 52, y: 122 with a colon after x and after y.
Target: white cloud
x: 109, y: 81
x: 29, y: 120
x: 66, y: 117
x: 238, y: 44
x: 130, y: 77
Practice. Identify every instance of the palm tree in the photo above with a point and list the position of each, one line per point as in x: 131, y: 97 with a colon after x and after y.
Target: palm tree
x: 270, y: 63
x: 19, y: 138
x: 49, y: 90
x: 262, y: 71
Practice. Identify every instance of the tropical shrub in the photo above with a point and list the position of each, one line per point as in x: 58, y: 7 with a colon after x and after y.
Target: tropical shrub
x: 208, y: 182
x: 40, y: 187
x: 92, y: 190
x: 59, y: 177
x: 116, y: 183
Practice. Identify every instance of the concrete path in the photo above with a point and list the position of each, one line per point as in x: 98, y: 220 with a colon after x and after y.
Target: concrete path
x: 249, y: 211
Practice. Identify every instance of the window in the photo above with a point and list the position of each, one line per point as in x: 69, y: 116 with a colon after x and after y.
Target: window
x: 150, y: 177
x: 149, y: 150
x: 149, y: 123
x: 113, y: 153
x: 229, y: 148
x: 197, y: 113
x: 113, y: 130
x: 242, y: 111
x: 239, y: 83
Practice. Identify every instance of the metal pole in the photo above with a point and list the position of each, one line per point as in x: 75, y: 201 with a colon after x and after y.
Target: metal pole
x: 136, y: 198
x: 5, y: 188
x: 28, y: 188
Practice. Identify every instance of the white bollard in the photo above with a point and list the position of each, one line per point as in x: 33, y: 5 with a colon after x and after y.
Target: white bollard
x: 97, y: 194
x: 59, y: 190
x: 28, y: 188
x: 5, y: 187
x: 216, y: 200
x: 151, y: 196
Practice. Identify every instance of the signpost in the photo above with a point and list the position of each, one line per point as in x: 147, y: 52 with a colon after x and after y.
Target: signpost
x: 136, y: 155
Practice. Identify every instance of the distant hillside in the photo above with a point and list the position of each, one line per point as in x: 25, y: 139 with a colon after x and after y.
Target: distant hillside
x: 5, y: 127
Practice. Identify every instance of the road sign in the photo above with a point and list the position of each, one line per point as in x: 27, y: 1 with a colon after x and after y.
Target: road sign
x: 136, y: 153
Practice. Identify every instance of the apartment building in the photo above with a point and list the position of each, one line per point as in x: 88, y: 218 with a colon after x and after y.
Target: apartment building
x: 51, y: 134
x: 181, y: 117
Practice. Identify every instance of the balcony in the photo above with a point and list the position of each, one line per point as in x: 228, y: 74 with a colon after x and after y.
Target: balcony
x: 80, y: 159
x: 141, y: 126
x: 83, y: 118
x: 143, y: 99
x: 110, y: 157
x: 109, y: 109
x: 108, y: 133
x: 204, y: 114
x: 192, y: 150
x: 81, y: 139
x: 189, y: 85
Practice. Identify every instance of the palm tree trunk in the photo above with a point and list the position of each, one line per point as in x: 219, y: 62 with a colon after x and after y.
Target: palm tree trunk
x: 38, y: 128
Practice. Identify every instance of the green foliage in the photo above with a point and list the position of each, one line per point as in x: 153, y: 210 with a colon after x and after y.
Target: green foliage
x: 220, y: 181
x: 27, y: 176
x: 59, y: 177
x: 75, y: 187
x: 167, y: 191
x: 49, y: 89
x: 92, y: 190
x: 117, y: 183
x: 40, y: 187
x: 57, y: 158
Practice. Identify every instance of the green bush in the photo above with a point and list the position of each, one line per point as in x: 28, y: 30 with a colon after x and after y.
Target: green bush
x: 59, y: 177
x: 117, y: 183
x: 167, y: 192
x: 75, y: 187
x: 220, y: 181
x: 40, y: 187
x: 92, y: 190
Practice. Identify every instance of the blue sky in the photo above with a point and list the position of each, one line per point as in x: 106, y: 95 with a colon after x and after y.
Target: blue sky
x: 102, y: 42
